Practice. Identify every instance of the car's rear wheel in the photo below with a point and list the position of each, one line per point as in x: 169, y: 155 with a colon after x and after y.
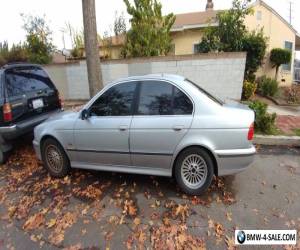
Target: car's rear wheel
x: 54, y: 158
x: 194, y: 170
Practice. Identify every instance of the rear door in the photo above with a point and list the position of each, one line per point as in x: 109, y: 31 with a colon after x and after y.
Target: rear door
x: 163, y: 115
x: 30, y: 92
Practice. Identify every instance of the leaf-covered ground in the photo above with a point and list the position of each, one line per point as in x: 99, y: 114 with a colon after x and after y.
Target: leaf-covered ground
x: 101, y: 210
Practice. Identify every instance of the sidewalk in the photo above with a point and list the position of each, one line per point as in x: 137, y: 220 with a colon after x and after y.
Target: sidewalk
x: 287, y: 123
x: 288, y: 117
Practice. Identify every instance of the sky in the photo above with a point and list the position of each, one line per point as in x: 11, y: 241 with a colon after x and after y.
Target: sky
x: 60, y: 12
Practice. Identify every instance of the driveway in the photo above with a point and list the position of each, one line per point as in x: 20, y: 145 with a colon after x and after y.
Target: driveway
x: 98, y: 210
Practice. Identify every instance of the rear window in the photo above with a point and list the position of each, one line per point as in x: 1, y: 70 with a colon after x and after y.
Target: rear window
x: 23, y: 80
x: 212, y: 97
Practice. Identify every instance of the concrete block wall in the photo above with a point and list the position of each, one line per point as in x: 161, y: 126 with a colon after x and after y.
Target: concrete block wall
x: 221, y: 74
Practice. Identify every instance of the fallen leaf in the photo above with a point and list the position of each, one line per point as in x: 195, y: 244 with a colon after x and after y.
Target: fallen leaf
x: 137, y: 221
x: 228, y: 216
x: 34, y: 222
x: 51, y: 223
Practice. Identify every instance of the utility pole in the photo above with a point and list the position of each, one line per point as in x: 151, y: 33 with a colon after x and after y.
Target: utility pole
x: 91, y: 46
x: 290, y: 12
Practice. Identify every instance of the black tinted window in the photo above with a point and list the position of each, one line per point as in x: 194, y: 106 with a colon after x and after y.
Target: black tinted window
x: 116, y: 101
x: 162, y: 98
x: 22, y: 80
x: 182, y: 104
x: 155, y: 98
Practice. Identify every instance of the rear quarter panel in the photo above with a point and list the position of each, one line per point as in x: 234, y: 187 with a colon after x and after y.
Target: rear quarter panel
x: 223, y: 130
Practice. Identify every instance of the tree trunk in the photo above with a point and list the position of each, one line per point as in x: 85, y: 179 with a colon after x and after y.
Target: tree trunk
x: 91, y: 46
x: 276, y: 72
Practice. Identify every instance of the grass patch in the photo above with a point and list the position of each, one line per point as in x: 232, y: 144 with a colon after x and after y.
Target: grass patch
x: 273, y: 131
x: 297, y: 131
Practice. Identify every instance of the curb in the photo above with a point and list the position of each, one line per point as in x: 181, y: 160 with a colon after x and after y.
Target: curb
x: 272, y: 140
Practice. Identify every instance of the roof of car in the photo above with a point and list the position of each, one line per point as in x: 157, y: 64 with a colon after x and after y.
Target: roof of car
x: 169, y: 77
x: 13, y: 65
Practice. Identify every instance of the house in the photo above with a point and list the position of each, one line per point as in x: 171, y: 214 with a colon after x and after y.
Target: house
x: 187, y: 32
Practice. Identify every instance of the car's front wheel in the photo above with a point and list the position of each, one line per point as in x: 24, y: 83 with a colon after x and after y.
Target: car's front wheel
x: 194, y: 170
x: 54, y: 158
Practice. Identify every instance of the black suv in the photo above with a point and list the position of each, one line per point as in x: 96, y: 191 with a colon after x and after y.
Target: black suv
x: 27, y: 98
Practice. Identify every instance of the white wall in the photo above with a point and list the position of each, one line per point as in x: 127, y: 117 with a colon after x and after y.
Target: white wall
x: 221, y: 74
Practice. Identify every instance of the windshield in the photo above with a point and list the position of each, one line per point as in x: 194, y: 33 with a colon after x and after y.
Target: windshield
x: 215, y: 99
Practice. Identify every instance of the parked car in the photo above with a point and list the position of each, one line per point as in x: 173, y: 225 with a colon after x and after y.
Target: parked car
x: 27, y: 98
x: 160, y: 125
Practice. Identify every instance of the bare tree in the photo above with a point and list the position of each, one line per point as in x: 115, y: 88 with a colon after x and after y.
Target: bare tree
x: 91, y: 46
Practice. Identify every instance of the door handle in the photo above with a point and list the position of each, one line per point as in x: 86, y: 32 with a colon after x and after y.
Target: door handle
x: 123, y: 127
x: 178, y: 127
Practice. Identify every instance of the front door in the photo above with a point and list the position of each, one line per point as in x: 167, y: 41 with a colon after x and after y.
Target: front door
x: 163, y: 116
x: 103, y: 138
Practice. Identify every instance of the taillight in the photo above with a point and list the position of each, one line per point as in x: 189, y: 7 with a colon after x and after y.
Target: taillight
x: 60, y: 101
x: 7, y: 114
x: 251, y: 132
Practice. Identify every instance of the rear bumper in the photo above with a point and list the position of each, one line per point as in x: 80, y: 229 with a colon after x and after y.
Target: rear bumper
x: 23, y: 127
x: 8, y: 129
x: 234, y: 160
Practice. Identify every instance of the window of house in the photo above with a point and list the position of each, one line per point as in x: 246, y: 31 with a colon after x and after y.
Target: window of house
x: 258, y: 15
x: 162, y: 98
x: 116, y: 101
x: 196, y: 48
x: 289, y: 46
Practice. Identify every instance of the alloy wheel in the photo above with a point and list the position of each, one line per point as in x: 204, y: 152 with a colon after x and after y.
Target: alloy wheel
x: 194, y: 171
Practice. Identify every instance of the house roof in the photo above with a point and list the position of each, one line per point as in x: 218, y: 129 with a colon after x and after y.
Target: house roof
x: 195, y: 20
x: 205, y: 18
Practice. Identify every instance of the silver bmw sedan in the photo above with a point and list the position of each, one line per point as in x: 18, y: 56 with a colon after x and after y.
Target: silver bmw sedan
x: 155, y: 124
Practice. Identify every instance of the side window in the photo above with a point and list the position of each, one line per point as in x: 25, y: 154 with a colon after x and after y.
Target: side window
x: 182, y: 104
x: 155, y: 98
x: 116, y: 101
x: 23, y: 80
x: 162, y: 98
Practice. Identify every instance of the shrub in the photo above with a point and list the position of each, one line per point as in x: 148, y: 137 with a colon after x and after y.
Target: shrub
x: 280, y: 56
x: 2, y: 60
x: 267, y: 86
x: 255, y: 44
x: 249, y: 89
x: 264, y: 122
x: 292, y: 94
x: 17, y: 53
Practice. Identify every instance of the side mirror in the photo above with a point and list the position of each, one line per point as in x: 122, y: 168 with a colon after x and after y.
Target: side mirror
x: 85, y: 114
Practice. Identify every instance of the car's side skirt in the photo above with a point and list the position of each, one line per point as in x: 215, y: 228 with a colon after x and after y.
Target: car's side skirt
x: 123, y: 169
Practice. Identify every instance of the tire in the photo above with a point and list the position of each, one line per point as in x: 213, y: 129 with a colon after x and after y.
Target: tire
x: 194, y: 170
x: 55, y: 159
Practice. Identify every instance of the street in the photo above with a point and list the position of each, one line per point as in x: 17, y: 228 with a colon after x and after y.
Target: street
x: 99, y: 210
